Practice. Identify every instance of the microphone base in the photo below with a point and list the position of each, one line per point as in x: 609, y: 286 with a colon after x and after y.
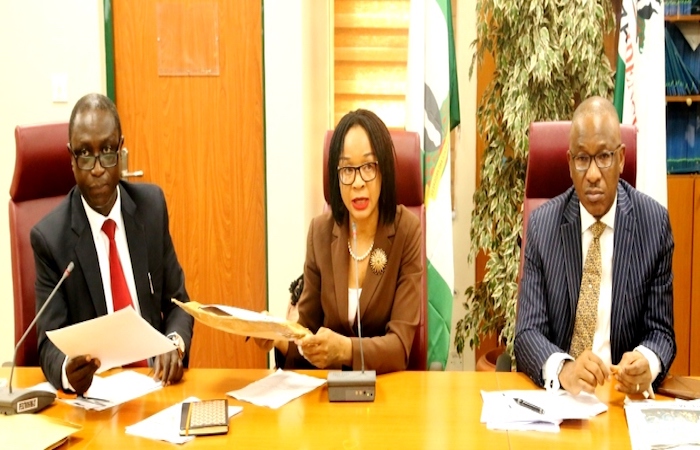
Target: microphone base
x: 352, y: 386
x: 22, y: 401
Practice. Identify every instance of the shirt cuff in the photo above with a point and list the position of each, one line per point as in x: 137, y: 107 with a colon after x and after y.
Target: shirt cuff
x: 551, y: 369
x: 177, y: 339
x: 65, y: 384
x: 654, y: 362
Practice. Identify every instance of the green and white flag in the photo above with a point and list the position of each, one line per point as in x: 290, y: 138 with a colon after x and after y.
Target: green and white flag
x: 640, y: 90
x: 432, y: 110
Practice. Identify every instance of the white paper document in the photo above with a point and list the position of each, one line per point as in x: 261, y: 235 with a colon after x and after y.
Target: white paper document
x: 165, y: 425
x: 115, y: 339
x: 658, y: 425
x: 277, y: 389
x: 542, y: 410
x: 113, y: 390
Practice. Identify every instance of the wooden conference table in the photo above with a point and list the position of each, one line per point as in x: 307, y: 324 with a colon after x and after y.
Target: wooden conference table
x: 412, y: 410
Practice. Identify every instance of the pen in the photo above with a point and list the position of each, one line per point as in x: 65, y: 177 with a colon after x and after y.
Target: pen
x: 94, y: 399
x: 82, y: 401
x: 60, y: 393
x: 529, y: 405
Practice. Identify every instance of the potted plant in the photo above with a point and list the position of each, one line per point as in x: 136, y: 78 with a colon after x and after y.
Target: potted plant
x: 548, y: 56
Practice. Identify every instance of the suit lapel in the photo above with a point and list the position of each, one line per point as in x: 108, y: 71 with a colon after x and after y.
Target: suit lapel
x: 339, y: 252
x: 138, y: 251
x: 86, y: 253
x: 623, y: 237
x: 383, y: 240
x: 571, y: 242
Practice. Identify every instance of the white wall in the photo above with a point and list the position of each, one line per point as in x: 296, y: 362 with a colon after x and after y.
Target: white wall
x: 39, y: 38
x: 465, y: 172
x: 297, y: 114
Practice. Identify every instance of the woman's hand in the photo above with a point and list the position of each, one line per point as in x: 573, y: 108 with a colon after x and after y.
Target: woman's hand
x: 267, y: 344
x: 326, y: 349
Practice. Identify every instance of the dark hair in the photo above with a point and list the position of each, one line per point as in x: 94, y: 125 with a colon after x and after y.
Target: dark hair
x: 296, y: 288
x: 91, y: 102
x: 383, y: 148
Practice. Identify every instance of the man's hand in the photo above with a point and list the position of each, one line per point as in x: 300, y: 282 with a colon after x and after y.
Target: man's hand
x: 168, y: 368
x: 584, y: 374
x: 326, y: 348
x: 633, y: 374
x: 79, y: 371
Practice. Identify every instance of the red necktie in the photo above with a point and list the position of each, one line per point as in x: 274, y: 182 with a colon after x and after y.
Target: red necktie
x: 120, y: 290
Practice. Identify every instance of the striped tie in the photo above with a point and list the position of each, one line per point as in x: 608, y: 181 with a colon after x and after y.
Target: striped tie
x: 587, y: 309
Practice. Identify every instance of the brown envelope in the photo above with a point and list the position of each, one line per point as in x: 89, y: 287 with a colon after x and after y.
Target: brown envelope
x: 680, y: 387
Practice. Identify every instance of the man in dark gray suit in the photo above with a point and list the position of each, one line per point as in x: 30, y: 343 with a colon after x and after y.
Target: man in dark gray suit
x: 631, y: 335
x: 150, y: 274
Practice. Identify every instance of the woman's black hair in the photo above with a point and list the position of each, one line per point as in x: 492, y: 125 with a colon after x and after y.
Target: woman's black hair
x: 383, y: 148
x: 296, y: 288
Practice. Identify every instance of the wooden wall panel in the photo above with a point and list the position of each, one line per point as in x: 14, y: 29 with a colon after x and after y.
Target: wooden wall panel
x: 201, y: 139
x: 680, y: 198
x: 694, y: 316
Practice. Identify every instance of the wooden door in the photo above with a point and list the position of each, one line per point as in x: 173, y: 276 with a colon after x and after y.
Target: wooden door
x: 200, y: 137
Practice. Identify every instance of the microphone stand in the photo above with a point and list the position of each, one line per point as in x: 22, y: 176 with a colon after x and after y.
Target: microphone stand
x: 353, y: 386
x: 28, y: 400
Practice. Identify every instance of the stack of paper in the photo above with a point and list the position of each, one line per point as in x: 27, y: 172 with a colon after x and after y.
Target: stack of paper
x: 542, y: 410
x: 106, y: 392
x: 277, y: 389
x: 656, y: 425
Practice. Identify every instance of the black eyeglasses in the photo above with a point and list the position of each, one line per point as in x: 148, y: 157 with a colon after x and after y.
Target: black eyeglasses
x: 108, y: 158
x: 368, y: 172
x: 603, y: 159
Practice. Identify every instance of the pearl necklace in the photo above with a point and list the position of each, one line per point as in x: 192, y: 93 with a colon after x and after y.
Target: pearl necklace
x: 359, y: 258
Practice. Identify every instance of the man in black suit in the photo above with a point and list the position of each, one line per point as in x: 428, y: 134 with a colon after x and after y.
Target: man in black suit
x: 73, y: 231
x: 631, y: 332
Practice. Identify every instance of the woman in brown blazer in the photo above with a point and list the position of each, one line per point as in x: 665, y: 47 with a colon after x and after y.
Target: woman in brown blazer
x: 383, y: 260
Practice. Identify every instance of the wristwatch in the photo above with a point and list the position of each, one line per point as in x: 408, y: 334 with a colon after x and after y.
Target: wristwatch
x: 179, y: 342
x: 553, y: 384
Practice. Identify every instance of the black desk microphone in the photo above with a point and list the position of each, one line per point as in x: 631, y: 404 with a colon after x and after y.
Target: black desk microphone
x: 28, y: 400
x: 353, y: 386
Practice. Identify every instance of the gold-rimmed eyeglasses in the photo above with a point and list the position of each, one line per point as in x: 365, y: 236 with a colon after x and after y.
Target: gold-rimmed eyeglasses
x: 603, y: 160
x: 368, y: 172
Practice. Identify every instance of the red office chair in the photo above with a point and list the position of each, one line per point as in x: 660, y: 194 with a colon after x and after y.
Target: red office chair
x: 547, y: 172
x: 42, y: 178
x: 409, y: 192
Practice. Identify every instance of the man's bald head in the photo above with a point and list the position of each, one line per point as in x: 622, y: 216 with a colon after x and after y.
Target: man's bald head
x: 599, y: 107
